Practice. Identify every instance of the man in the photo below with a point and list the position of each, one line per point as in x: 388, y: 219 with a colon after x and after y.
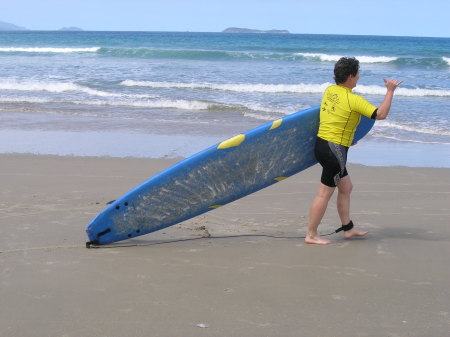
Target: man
x: 340, y: 113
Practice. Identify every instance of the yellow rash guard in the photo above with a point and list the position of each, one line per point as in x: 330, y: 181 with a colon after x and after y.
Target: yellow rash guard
x: 340, y: 114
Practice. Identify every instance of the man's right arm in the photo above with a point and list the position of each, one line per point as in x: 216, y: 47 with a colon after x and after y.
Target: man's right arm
x: 385, y: 106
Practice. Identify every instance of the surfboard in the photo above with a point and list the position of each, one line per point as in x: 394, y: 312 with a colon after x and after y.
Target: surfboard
x: 214, y: 177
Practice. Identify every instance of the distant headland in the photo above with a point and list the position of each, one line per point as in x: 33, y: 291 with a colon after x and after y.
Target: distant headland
x: 254, y: 31
x: 6, y: 26
x: 9, y: 26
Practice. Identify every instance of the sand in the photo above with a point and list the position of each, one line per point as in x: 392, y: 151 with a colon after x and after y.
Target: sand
x: 394, y: 282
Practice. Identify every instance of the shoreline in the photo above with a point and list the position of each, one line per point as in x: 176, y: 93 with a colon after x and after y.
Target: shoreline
x: 369, y: 151
x: 260, y: 280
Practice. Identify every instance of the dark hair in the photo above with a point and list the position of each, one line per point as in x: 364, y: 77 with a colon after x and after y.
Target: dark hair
x: 345, y: 67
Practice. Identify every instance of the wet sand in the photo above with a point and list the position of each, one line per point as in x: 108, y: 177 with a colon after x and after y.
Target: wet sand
x: 253, y: 276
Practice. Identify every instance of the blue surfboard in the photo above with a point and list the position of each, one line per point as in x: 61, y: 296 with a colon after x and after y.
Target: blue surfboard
x: 214, y: 177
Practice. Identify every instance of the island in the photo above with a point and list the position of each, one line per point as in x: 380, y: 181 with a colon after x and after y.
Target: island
x: 10, y: 26
x: 254, y: 31
x: 71, y: 29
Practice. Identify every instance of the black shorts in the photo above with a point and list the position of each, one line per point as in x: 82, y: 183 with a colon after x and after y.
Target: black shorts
x: 333, y: 158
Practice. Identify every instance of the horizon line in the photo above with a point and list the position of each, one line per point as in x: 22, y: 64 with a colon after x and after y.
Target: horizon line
x: 264, y: 32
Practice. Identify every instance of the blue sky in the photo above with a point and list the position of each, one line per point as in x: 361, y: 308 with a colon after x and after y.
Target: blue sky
x: 379, y: 17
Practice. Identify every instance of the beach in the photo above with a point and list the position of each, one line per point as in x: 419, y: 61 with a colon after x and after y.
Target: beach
x: 87, y: 116
x: 241, y: 270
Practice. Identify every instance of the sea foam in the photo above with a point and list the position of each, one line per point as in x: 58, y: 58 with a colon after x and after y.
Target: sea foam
x: 447, y: 59
x: 158, y: 103
x: 118, y: 99
x: 362, y: 59
x: 245, y: 87
x: 58, y: 87
x: 413, y: 128
x: 409, y: 92
x: 300, y: 88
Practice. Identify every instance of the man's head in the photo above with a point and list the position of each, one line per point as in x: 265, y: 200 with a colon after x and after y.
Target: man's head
x: 345, y: 67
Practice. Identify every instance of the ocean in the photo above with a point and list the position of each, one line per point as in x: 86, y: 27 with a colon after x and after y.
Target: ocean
x: 172, y: 94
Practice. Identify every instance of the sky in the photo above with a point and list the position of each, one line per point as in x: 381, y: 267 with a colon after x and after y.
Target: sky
x: 375, y: 17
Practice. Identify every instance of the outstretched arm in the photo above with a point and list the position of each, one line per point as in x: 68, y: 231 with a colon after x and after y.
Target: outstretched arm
x: 385, y: 106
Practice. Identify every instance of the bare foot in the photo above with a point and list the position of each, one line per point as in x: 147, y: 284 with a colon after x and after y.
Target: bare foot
x: 354, y: 233
x: 318, y: 240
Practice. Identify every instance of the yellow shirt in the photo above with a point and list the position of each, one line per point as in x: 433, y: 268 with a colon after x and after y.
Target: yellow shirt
x: 340, y: 114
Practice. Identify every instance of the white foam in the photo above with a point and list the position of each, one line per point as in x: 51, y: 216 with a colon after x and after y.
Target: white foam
x: 265, y: 88
x: 411, y: 140
x: 447, y: 59
x: 416, y: 92
x: 300, y: 88
x: 375, y: 59
x: 412, y: 128
x: 60, y: 87
x: 55, y: 87
x: 48, y: 50
x: 176, y: 104
x: 37, y: 86
x: 161, y: 103
x: 362, y: 59
x: 132, y: 83
x: 321, y: 57
x: 255, y: 110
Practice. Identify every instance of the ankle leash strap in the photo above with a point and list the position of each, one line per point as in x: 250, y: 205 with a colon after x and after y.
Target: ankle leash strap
x: 345, y: 228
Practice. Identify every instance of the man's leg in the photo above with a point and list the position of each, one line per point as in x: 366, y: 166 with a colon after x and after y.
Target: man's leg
x: 345, y: 187
x: 316, y: 213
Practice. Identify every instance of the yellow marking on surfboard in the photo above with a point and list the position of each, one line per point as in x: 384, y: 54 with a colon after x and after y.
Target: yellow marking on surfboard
x: 276, y: 124
x: 233, y: 141
x: 280, y: 178
x: 215, y: 206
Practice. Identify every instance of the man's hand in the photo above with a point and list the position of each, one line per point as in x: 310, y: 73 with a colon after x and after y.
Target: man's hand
x: 385, y: 106
x: 392, y: 84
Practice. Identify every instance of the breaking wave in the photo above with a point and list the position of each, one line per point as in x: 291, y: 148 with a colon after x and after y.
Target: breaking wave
x: 432, y: 130
x: 262, y: 88
x: 300, y: 88
x: 194, y: 54
x: 334, y: 58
